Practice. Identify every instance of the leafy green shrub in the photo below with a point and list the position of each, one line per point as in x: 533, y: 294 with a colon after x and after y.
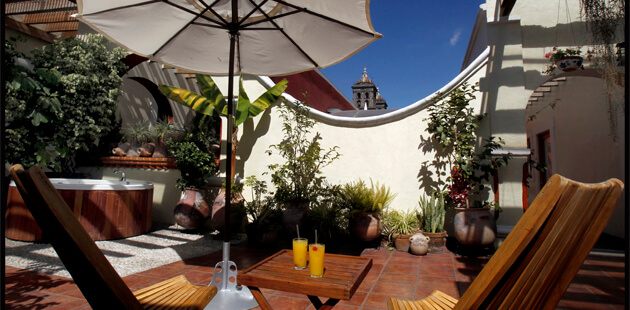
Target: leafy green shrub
x: 65, y: 104
x: 193, y: 152
x: 300, y: 177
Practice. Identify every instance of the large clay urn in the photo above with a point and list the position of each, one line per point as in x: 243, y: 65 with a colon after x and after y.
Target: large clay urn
x: 192, y: 211
x: 475, y: 226
x: 366, y: 226
x: 237, y: 223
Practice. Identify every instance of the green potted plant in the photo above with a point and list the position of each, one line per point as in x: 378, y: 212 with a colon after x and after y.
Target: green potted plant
x: 329, y: 215
x: 366, y: 205
x: 399, y: 226
x: 196, y: 161
x: 299, y: 180
x: 452, y: 125
x: 265, y: 219
x: 432, y: 213
x: 135, y: 136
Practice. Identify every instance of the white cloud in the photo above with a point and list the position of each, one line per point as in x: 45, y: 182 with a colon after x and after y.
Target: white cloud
x: 455, y: 37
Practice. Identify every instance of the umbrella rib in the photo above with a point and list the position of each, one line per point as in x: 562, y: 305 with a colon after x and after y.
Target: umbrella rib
x: 181, y: 29
x: 297, y: 46
x: 305, y: 10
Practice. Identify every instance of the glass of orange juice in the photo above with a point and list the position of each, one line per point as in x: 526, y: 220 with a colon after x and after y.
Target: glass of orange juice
x: 299, y: 253
x: 316, y: 259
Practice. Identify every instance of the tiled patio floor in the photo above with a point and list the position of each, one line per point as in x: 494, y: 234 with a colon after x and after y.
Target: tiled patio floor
x: 599, y: 284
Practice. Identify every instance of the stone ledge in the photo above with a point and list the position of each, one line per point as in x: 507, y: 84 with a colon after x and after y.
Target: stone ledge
x: 139, y: 162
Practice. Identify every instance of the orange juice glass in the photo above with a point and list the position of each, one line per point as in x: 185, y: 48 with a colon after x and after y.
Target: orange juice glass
x: 316, y: 259
x: 299, y: 253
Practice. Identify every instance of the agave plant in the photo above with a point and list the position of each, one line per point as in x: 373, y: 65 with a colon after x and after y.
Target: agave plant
x: 432, y: 212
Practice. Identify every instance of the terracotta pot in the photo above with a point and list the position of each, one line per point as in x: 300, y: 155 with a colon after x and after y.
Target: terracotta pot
x: 570, y: 63
x: 366, y: 226
x: 237, y: 223
x: 146, y: 150
x: 160, y: 150
x: 402, y: 243
x: 474, y: 226
x: 436, y: 241
x: 121, y: 149
x: 192, y: 211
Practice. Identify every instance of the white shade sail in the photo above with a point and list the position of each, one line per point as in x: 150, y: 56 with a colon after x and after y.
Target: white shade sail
x: 274, y: 37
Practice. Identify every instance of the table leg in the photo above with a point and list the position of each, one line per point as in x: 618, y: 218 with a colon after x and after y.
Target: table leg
x: 330, y: 303
x: 260, y: 298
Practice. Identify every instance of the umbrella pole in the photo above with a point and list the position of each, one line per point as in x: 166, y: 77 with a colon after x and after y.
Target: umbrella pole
x: 229, y: 294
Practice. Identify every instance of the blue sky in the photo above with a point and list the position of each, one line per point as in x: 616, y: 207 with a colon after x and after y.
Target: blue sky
x: 422, y: 49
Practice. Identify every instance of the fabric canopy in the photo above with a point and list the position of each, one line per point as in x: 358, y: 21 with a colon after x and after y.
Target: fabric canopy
x: 274, y: 37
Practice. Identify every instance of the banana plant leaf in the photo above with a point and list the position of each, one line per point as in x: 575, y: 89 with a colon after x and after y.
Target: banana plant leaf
x: 212, y: 102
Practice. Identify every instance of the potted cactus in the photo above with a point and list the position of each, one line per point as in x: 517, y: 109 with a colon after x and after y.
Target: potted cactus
x: 432, y: 215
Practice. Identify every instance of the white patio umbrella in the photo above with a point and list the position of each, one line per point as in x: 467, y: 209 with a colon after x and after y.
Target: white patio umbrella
x: 228, y: 37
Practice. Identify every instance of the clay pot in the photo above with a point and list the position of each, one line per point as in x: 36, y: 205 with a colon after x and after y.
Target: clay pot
x: 160, y: 150
x: 146, y: 150
x: 402, y: 242
x: 475, y: 226
x: 218, y: 212
x: 366, y: 226
x: 192, y: 211
x: 419, y: 244
x: 121, y: 149
x: 436, y: 241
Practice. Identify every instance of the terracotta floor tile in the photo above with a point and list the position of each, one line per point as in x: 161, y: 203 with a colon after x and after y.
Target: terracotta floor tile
x: 376, y: 301
x: 162, y: 272
x: 288, y: 303
x: 426, y: 286
x: 441, y: 272
x: 138, y: 281
x: 394, y: 289
x: 402, y: 268
x: 357, y: 300
x: 402, y: 278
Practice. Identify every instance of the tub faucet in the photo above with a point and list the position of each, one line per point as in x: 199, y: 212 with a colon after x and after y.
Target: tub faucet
x: 123, y: 176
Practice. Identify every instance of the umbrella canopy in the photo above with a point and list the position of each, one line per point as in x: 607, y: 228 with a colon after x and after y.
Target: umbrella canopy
x: 260, y: 37
x: 272, y: 37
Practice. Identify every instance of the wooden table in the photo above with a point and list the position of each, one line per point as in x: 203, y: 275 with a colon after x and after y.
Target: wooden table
x: 342, y: 276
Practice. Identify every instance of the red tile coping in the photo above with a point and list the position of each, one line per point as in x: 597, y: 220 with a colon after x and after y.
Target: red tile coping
x: 139, y: 162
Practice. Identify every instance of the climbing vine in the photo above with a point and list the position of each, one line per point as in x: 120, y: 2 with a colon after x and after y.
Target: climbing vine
x: 604, y: 21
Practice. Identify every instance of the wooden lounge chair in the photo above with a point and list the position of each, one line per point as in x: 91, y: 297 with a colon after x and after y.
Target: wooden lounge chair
x: 535, y: 264
x: 94, y: 275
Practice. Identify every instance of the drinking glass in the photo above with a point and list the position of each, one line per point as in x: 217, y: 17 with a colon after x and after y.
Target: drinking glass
x: 316, y: 259
x: 299, y: 253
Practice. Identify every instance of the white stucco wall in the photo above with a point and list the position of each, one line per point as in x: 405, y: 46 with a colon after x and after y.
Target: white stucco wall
x: 583, y: 146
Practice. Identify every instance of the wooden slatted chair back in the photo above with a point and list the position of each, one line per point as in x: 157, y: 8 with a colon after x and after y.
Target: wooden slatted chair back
x: 535, y: 264
x: 99, y: 282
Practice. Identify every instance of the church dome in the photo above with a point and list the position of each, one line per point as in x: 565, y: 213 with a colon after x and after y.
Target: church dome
x: 365, y: 78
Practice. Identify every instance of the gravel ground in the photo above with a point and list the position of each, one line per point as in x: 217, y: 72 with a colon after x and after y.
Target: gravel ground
x: 161, y: 246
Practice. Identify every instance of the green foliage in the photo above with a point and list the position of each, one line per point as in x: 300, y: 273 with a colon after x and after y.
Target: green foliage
x: 361, y: 198
x: 65, y: 104
x: 138, y: 132
x: 193, y: 152
x: 452, y: 125
x: 329, y: 216
x: 432, y: 212
x: 401, y: 222
x: 262, y: 211
x: 212, y: 102
x: 300, y: 177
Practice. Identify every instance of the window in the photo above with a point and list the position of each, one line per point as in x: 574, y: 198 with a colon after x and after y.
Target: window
x: 544, y: 157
